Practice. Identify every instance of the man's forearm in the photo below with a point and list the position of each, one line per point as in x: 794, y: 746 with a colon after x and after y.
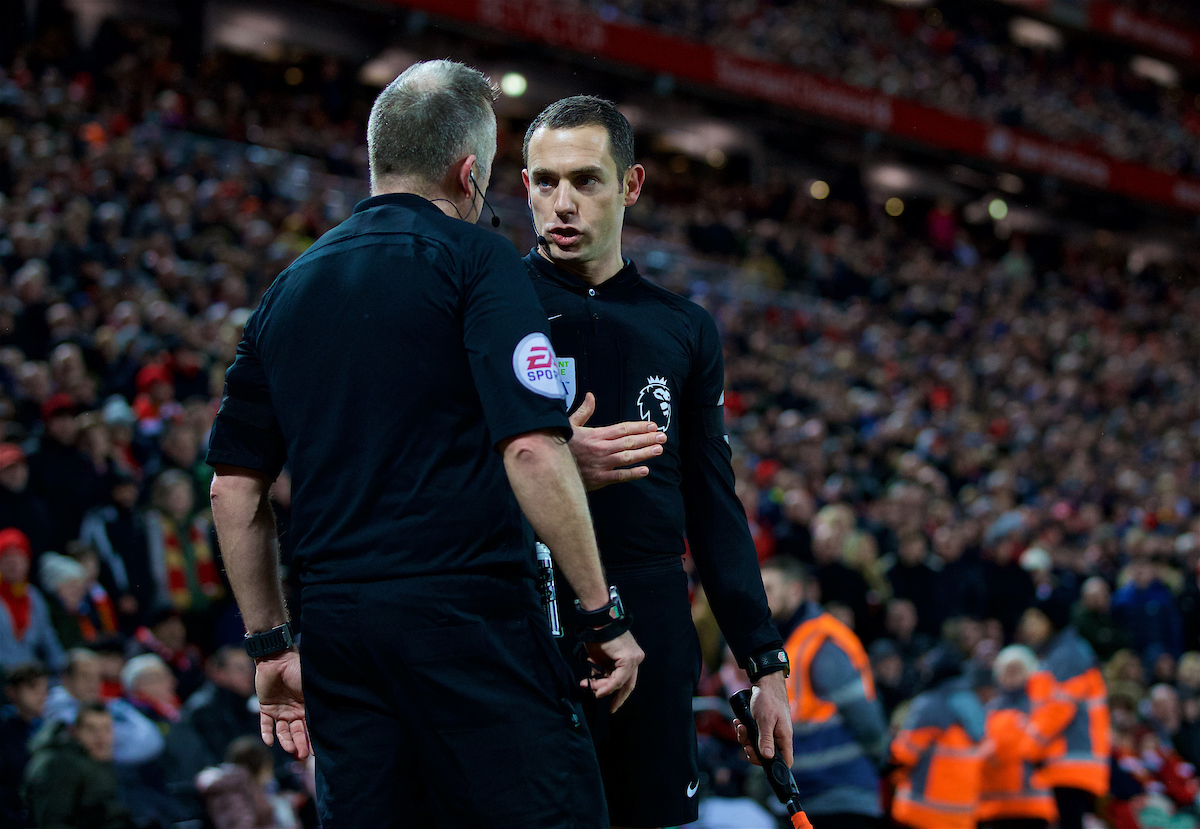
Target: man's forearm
x: 546, y: 482
x: 246, y: 532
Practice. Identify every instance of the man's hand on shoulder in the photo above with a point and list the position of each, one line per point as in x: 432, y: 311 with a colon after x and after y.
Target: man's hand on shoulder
x: 769, y: 706
x: 601, y: 450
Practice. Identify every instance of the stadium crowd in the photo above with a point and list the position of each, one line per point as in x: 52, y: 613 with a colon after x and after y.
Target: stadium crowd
x: 957, y: 437
x: 959, y: 61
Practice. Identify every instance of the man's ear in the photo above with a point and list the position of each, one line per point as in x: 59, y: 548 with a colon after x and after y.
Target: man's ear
x: 525, y: 178
x: 458, y: 178
x: 635, y: 177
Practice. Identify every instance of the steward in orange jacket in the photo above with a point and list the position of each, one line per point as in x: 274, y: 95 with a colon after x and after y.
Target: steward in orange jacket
x: 839, y: 732
x: 938, y: 758
x: 1069, y: 725
x: 1013, y: 793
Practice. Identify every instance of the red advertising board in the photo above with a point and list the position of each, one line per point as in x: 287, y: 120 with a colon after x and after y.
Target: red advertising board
x: 547, y: 22
x: 1126, y: 24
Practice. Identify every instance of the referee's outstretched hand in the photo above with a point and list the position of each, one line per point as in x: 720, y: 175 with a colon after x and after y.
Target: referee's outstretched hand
x: 281, y: 703
x: 614, y: 668
x: 601, y: 450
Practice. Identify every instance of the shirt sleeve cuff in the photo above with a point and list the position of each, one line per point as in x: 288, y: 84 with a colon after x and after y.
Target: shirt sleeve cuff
x: 555, y: 421
x: 244, y: 460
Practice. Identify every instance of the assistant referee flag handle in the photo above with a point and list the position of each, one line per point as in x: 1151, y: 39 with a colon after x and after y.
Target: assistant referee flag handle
x: 778, y: 774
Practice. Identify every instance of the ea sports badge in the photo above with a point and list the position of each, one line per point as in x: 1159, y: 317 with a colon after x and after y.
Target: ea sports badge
x: 536, y: 366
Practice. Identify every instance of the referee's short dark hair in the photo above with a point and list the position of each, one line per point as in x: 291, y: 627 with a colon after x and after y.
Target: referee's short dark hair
x: 587, y: 111
x: 432, y: 115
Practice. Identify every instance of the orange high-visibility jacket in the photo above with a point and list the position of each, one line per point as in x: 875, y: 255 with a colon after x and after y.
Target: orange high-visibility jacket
x: 838, y: 723
x: 1069, y: 724
x: 1012, y: 786
x: 939, y: 753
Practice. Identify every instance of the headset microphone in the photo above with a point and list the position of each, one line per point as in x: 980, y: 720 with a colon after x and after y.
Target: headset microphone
x: 542, y: 243
x: 495, y: 218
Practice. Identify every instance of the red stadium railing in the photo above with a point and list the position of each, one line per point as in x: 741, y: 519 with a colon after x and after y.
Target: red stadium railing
x: 547, y: 22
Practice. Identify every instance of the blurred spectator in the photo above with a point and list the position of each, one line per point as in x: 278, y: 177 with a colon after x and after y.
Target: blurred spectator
x: 241, y: 793
x: 1094, y: 620
x: 786, y: 583
x: 26, y: 630
x: 1145, y: 607
x: 79, y: 607
x: 136, y: 739
x: 901, y: 627
x: 60, y: 473
x: 220, y: 712
x: 165, y: 635
x: 25, y: 691
x: 838, y: 582
x: 180, y: 548
x: 20, y: 507
x: 71, y: 780
x: 155, y: 402
x: 913, y: 577
x: 150, y: 686
x: 895, y: 682
x: 1013, y: 795
x: 961, y: 586
x: 117, y: 530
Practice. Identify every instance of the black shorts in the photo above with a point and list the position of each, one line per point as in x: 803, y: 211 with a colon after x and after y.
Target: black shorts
x: 441, y: 701
x: 647, y: 749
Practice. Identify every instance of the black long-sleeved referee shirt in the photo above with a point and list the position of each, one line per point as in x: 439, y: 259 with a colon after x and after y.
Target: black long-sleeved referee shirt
x: 647, y: 354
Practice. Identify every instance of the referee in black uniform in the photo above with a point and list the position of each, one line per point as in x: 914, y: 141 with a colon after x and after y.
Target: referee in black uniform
x: 401, y: 368
x: 627, y: 351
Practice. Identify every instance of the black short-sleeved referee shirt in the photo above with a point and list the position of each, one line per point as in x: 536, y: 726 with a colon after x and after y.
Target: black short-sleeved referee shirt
x: 383, y: 367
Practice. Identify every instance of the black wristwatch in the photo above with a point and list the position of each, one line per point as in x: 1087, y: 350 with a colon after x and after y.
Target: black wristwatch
x: 604, y: 623
x: 275, y: 640
x: 768, y: 661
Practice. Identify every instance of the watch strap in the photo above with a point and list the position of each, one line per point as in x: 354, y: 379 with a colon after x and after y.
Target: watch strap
x: 767, y: 661
x: 267, y: 643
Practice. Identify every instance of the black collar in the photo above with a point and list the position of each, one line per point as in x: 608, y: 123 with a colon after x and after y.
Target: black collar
x: 628, y: 276
x: 411, y: 200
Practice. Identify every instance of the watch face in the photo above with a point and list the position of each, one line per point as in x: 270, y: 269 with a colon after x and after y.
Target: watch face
x: 618, y: 609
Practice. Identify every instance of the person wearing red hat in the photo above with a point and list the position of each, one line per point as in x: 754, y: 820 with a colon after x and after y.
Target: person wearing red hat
x: 26, y: 633
x: 155, y: 402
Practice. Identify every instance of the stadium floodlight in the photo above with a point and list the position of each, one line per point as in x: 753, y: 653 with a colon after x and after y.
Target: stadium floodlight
x: 382, y: 69
x: 1153, y: 69
x: 818, y: 190
x: 998, y: 209
x: 1034, y: 34
x: 513, y: 84
x: 893, y: 207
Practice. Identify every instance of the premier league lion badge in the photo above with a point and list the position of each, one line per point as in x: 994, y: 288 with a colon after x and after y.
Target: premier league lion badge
x: 654, y: 402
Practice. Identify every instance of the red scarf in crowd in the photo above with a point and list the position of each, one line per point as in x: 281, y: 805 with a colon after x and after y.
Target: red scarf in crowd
x: 20, y: 607
x: 101, y: 620
x: 192, y: 577
x: 161, y: 710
